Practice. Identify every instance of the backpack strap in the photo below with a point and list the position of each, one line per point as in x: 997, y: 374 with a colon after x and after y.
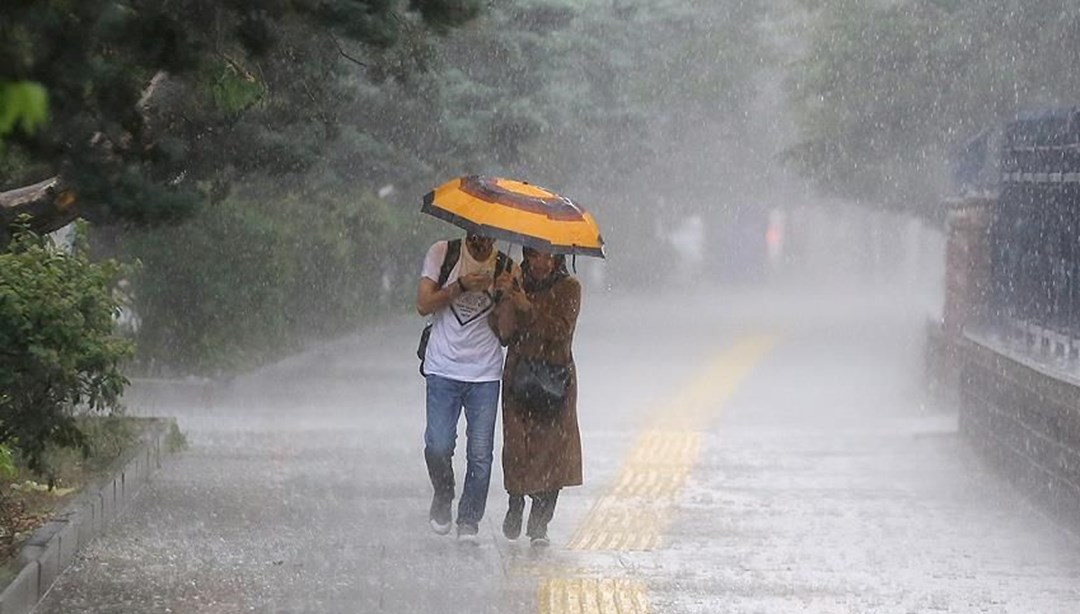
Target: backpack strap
x: 453, y: 254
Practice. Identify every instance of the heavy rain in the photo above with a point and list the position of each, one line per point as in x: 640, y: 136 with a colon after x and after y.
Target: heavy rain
x: 790, y: 320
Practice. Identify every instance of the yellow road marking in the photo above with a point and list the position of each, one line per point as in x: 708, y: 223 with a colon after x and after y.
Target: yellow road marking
x: 636, y: 511
x: 691, y: 410
x: 592, y: 596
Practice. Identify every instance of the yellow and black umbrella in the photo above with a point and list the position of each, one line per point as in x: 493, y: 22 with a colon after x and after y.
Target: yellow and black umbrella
x: 518, y: 212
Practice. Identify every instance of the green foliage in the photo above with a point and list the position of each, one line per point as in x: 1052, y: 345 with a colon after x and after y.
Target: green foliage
x: 175, y: 439
x: 276, y: 122
x: 886, y: 90
x: 445, y: 14
x: 258, y: 278
x: 108, y: 437
x: 7, y: 464
x: 57, y: 348
x: 635, y: 108
x: 584, y: 96
x: 146, y: 98
x: 207, y: 290
x: 23, y: 105
x: 234, y: 89
x: 103, y: 440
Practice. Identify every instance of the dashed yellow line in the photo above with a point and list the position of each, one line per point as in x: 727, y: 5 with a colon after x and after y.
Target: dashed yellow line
x: 692, y: 410
x: 636, y: 511
x: 592, y: 596
x: 617, y: 525
x: 659, y: 449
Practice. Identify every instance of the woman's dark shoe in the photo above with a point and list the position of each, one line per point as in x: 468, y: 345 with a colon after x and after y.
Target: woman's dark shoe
x: 512, y: 522
x: 543, y: 508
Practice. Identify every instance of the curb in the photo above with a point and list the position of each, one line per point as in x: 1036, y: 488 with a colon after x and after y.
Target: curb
x: 51, y: 549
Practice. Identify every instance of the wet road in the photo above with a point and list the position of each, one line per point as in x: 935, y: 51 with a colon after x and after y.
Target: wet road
x: 752, y: 451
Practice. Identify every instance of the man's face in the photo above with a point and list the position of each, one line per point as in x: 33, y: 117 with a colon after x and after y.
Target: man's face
x: 479, y: 247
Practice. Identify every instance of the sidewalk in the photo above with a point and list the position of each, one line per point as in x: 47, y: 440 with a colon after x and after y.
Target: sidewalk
x: 723, y: 474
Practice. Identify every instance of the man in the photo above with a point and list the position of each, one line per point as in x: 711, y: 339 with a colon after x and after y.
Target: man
x: 463, y: 368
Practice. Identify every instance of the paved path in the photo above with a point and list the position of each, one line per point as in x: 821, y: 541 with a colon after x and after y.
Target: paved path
x: 752, y: 451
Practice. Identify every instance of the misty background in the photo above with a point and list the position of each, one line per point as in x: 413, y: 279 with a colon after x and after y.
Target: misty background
x: 264, y: 162
x: 774, y: 181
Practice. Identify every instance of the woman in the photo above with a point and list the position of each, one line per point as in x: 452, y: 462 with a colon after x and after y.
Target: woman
x: 541, y: 442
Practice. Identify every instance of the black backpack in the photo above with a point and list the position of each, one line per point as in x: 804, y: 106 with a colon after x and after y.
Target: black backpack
x: 453, y: 254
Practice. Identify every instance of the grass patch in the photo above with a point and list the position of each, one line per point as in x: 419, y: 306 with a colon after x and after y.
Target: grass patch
x: 175, y: 439
x: 29, y: 500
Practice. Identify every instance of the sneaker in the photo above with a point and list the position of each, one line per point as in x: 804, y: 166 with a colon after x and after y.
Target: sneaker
x: 440, y: 516
x: 512, y: 524
x: 540, y: 542
x: 469, y: 533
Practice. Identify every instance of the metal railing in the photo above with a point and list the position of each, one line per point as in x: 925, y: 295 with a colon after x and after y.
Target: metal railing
x: 1035, y: 237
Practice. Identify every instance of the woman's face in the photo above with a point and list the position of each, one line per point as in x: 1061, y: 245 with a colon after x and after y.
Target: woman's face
x: 541, y: 264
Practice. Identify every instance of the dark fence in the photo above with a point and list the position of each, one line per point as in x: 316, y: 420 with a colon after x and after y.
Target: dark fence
x: 1034, y: 239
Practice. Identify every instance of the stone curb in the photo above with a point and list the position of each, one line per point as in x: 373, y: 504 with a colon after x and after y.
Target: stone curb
x: 51, y: 549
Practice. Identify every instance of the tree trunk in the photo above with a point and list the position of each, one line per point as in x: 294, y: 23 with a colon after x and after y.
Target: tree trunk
x: 50, y: 205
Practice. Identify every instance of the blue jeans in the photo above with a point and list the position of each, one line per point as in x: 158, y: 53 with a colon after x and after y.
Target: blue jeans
x: 445, y: 400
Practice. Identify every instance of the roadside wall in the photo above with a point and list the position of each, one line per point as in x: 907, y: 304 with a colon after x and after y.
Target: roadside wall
x: 1020, y: 413
x: 1027, y: 423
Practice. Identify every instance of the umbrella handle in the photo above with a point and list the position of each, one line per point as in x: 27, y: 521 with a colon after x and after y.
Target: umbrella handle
x: 497, y: 295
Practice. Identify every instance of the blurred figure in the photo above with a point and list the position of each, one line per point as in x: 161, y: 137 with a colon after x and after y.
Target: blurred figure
x: 541, y: 441
x: 462, y: 365
x: 688, y: 241
x: 774, y: 240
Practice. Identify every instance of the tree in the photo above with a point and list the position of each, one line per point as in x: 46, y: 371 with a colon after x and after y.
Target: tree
x: 885, y: 91
x: 159, y: 109
x: 58, y: 352
x: 287, y: 147
x: 103, y: 63
x: 637, y: 109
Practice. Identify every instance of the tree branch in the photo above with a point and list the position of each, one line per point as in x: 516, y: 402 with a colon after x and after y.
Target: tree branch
x: 345, y: 55
x: 50, y: 205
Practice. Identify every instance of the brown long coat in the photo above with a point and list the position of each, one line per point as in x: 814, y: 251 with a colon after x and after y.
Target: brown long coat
x: 540, y: 454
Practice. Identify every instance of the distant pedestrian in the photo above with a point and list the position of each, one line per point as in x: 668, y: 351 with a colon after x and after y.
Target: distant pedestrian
x: 462, y: 365
x: 536, y: 318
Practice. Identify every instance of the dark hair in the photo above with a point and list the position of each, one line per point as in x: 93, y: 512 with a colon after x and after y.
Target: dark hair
x: 557, y: 272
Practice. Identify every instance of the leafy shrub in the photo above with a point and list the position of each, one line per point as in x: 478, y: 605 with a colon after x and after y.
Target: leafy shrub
x: 175, y: 439
x: 58, y: 353
x: 245, y: 280
x: 7, y: 463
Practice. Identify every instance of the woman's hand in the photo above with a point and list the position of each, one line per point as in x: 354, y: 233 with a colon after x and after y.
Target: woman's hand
x: 508, y: 286
x: 505, y: 283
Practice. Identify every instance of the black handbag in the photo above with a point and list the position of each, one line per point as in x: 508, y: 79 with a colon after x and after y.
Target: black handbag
x: 540, y: 385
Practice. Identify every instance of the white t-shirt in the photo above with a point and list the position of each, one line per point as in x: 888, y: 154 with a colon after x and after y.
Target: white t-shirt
x: 462, y: 345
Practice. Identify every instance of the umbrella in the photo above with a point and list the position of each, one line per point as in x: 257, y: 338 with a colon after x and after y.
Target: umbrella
x: 516, y: 211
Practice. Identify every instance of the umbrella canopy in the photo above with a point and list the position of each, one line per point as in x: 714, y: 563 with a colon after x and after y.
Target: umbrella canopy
x: 518, y: 212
